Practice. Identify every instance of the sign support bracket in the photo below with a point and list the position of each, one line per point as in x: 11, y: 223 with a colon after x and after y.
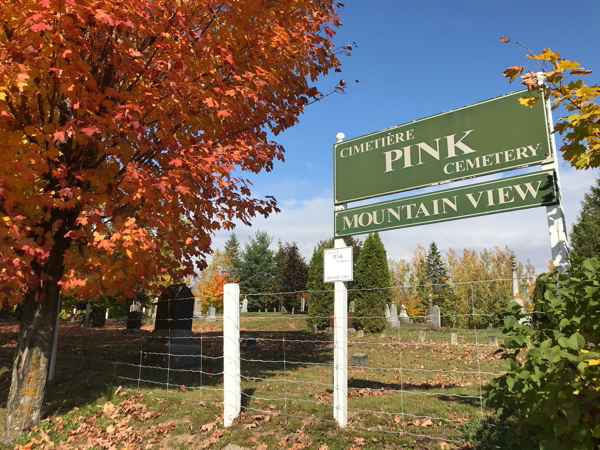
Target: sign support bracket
x: 557, y: 226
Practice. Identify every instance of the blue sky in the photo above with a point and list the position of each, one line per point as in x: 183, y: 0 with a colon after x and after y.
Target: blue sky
x: 415, y: 59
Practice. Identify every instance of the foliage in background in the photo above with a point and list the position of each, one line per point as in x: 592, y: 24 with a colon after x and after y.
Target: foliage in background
x: 491, y: 264
x: 257, y: 271
x: 372, y: 272
x: 585, y: 237
x: 321, y: 299
x: 551, y: 387
x: 580, y: 129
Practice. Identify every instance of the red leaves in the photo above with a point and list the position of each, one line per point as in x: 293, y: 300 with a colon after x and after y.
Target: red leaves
x: 59, y: 136
x: 224, y: 113
x: 211, y: 102
x: 104, y: 17
x: 90, y: 130
x: 41, y: 26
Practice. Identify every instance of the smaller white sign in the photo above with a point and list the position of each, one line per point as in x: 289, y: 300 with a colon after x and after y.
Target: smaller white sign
x: 338, y: 265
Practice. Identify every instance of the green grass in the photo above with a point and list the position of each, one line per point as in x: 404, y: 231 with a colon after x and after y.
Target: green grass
x: 92, y: 362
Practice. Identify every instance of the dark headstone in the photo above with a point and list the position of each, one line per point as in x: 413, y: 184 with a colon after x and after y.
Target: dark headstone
x: 175, y: 309
x: 360, y: 359
x: 134, y: 320
x: 98, y: 316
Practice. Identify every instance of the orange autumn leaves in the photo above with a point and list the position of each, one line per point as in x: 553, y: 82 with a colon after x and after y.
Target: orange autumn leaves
x: 124, y: 128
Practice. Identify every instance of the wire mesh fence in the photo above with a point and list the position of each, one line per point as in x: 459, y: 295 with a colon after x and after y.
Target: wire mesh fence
x: 411, y: 379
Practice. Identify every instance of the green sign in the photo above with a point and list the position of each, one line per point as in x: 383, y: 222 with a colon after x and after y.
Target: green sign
x: 507, y: 194
x: 487, y: 137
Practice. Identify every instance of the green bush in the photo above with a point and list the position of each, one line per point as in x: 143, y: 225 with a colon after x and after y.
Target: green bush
x: 552, y: 387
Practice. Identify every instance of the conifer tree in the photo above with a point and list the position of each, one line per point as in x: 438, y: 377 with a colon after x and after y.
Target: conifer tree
x: 294, y: 275
x: 232, y: 254
x: 257, y: 271
x: 320, y: 302
x: 372, y: 273
x: 437, y: 275
x: 585, y: 237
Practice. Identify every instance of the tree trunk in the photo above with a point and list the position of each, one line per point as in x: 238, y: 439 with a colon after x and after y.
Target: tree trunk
x: 36, y: 338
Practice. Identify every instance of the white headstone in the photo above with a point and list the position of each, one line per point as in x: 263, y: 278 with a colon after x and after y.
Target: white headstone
x: 106, y: 315
x: 197, y: 308
x: 302, y: 304
x: 351, y: 306
x: 393, y: 319
x: 245, y: 305
x: 387, y: 311
x: 86, y: 315
x: 212, y: 314
x: 435, y: 317
x: 403, y: 317
x: 293, y: 311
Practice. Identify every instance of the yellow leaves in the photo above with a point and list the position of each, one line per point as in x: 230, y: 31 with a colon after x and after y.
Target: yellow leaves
x: 506, y: 40
x: 130, y: 222
x: 512, y: 72
x: 594, y: 362
x: 546, y: 55
x: 528, y: 101
x: 129, y: 253
x: 565, y: 64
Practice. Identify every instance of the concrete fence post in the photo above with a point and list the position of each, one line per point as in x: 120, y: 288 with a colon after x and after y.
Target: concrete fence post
x: 232, y: 395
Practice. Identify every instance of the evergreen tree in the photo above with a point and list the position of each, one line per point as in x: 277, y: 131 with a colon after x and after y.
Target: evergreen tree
x: 257, y: 271
x: 232, y: 254
x: 372, y: 272
x: 437, y: 276
x: 321, y: 300
x: 585, y: 238
x: 294, y: 275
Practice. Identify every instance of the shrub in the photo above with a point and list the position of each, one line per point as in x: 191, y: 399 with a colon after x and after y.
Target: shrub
x: 552, y: 385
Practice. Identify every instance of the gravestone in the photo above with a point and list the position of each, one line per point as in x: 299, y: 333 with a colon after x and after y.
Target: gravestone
x: 106, y: 315
x: 430, y: 309
x: 245, y: 305
x: 86, y: 314
x: 98, y: 316
x: 454, y: 338
x: 403, y: 317
x: 293, y: 311
x: 435, y: 317
x: 351, y: 306
x: 155, y: 309
x: 360, y: 359
x: 134, y: 318
x: 172, y: 343
x: 314, y: 328
x: 302, y: 304
x: 360, y: 333
x: 422, y: 335
x: 274, y: 309
x: 387, y: 311
x: 197, y: 308
x: 493, y: 341
x: 212, y: 314
x: 490, y: 326
x: 393, y: 319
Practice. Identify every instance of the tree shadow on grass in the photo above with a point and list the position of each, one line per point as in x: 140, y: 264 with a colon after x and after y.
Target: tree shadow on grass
x: 93, y: 362
x: 382, y: 385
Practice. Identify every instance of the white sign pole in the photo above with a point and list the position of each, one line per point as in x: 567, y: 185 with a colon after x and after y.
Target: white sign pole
x: 557, y: 226
x: 340, y: 337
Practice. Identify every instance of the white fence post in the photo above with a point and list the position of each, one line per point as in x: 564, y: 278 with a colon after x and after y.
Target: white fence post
x: 340, y: 339
x: 232, y: 394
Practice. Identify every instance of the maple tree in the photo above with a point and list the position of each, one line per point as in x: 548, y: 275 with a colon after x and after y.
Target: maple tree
x: 581, y: 128
x: 124, y: 127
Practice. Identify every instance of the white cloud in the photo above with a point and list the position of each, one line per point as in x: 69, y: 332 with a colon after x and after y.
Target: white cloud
x: 309, y: 221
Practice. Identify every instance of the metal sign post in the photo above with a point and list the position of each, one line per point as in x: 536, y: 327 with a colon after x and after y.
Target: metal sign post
x: 340, y: 337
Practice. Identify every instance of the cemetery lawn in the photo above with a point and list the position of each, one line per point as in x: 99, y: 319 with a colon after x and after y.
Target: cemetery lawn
x: 94, y: 399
